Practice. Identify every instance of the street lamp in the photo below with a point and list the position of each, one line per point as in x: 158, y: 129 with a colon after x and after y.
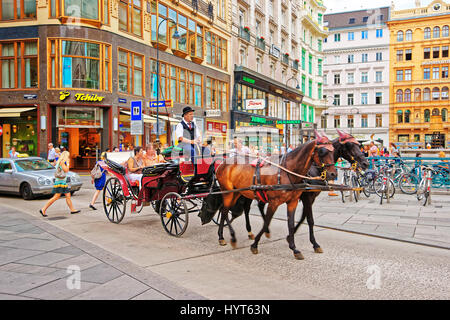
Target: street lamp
x: 175, y: 36
x: 285, y: 109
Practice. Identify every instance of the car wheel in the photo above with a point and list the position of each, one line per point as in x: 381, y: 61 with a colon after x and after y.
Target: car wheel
x: 26, y: 192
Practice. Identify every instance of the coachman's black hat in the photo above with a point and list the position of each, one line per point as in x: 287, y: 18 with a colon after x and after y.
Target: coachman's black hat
x: 186, y: 110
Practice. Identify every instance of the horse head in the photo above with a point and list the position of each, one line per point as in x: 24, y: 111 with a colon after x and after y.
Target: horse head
x: 323, y: 157
x: 349, y: 149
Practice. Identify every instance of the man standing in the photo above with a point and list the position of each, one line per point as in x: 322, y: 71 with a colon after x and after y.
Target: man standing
x: 12, y: 153
x: 188, y: 134
x: 51, y: 153
x: 373, y: 151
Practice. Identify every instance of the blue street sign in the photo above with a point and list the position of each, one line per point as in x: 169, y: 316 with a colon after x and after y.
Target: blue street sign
x: 121, y: 100
x: 164, y: 103
x: 136, y: 110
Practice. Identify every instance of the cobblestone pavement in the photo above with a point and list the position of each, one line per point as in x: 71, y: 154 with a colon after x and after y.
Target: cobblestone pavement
x: 37, y: 261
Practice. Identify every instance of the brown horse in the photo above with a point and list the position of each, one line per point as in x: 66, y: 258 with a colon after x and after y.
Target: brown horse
x: 237, y: 173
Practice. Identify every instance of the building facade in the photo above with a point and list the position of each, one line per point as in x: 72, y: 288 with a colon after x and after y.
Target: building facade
x: 277, y: 83
x: 419, y: 75
x: 356, y: 74
x: 70, y: 70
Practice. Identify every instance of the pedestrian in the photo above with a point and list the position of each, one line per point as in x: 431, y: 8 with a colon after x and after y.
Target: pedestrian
x: 51, y: 153
x: 291, y: 147
x: 12, y: 153
x: 98, y: 182
x: 283, y: 149
x: 60, y: 185
x: 57, y: 154
x: 394, y: 150
x: 116, y: 149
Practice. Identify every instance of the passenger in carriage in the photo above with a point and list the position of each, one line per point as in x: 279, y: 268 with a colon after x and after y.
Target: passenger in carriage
x: 151, y: 157
x: 136, y: 164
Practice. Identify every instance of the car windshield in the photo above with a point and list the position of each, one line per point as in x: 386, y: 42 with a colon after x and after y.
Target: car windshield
x: 33, y: 165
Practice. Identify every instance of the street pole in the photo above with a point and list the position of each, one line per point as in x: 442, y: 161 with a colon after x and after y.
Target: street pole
x: 285, y: 111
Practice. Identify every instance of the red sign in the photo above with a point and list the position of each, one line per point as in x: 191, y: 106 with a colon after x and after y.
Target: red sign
x: 216, y: 127
x: 1, y: 131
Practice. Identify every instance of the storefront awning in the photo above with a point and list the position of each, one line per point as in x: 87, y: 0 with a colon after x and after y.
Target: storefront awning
x: 14, y: 112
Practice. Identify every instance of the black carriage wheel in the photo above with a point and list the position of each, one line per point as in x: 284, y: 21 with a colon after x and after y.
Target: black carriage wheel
x: 174, y: 214
x: 114, y: 201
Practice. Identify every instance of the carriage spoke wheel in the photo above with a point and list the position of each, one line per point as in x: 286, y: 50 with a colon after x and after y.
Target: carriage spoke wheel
x: 114, y: 201
x: 174, y: 214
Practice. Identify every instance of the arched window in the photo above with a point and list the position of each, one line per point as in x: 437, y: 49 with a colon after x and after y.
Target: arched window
x: 436, y: 32
x: 435, y: 112
x: 444, y: 114
x: 407, y: 116
x: 427, y: 33
x: 445, y: 31
x: 427, y: 115
x: 407, y: 95
x: 417, y: 94
x: 435, y: 93
x: 426, y: 94
x: 399, y: 95
x: 400, y: 36
x: 399, y: 116
x: 408, y: 35
x: 444, y: 93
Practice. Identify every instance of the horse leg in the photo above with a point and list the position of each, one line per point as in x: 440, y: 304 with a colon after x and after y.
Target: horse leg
x: 270, y: 212
x: 233, y: 236
x: 261, y: 206
x: 291, y: 226
x: 248, y: 203
x: 310, y: 219
x: 223, y: 217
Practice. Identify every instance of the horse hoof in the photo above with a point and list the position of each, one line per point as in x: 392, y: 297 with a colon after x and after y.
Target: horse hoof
x: 318, y: 250
x: 254, y: 250
x: 251, y: 236
x: 267, y: 234
x: 222, y: 242
x: 233, y: 244
x: 299, y: 256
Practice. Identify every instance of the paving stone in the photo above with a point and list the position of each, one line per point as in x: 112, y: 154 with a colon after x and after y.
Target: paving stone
x: 151, y: 294
x: 83, y: 261
x: 36, y: 244
x: 69, y: 250
x: 401, y: 231
x: 122, y: 288
x: 8, y: 255
x: 45, y: 259
x: 101, y: 273
x: 25, y: 268
x: 15, y: 283
x: 58, y: 290
x: 14, y: 222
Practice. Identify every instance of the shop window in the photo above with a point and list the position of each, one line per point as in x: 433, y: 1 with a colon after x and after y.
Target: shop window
x: 130, y: 73
x: 19, y: 64
x: 130, y: 16
x: 17, y: 9
x: 216, y: 50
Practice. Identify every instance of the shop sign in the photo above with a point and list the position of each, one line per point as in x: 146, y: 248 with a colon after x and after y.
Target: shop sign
x: 289, y: 121
x: 213, y: 126
x: 249, y: 80
x: 259, y: 120
x: 121, y: 100
x: 30, y: 96
x: 435, y: 62
x: 213, y: 113
x: 164, y: 103
x: 255, y: 104
x: 63, y: 95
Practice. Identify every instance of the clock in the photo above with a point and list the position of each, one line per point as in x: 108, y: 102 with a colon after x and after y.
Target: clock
x: 437, y: 7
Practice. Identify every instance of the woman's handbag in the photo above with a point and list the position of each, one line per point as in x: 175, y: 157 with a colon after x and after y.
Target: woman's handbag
x: 96, y: 172
x: 60, y: 173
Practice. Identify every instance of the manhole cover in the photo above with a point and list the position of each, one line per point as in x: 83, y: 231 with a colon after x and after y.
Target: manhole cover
x: 57, y: 218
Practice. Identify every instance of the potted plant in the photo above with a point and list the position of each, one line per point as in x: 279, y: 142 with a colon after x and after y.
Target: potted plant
x: 261, y: 38
x: 286, y: 54
x: 296, y: 60
x: 246, y: 29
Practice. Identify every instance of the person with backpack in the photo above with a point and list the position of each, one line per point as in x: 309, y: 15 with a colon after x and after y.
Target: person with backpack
x: 98, y: 176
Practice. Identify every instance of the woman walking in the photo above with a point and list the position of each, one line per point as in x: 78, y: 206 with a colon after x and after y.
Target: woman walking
x: 60, y: 186
x: 99, y: 183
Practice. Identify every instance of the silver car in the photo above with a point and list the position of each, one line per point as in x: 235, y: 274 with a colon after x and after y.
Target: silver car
x: 30, y: 177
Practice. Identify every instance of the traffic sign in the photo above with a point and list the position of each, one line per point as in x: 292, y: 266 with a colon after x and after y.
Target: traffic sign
x: 136, y: 110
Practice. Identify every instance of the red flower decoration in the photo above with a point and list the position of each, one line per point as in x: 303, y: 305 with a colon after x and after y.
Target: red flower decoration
x: 246, y: 28
x: 286, y: 54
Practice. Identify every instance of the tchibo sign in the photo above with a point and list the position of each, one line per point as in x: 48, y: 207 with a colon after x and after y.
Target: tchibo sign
x: 255, y: 104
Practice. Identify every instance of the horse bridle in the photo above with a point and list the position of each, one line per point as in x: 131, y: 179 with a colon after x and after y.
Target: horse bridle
x: 322, y: 166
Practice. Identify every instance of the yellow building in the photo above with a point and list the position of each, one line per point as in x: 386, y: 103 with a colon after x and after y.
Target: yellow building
x: 419, y: 77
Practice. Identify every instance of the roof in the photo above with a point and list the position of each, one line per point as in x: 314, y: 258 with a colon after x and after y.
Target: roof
x: 361, y: 18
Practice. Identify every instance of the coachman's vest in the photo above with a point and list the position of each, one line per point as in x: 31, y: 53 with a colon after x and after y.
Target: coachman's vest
x: 188, y: 133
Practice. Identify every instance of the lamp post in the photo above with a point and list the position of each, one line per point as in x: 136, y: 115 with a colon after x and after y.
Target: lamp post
x: 175, y: 36
x: 285, y: 109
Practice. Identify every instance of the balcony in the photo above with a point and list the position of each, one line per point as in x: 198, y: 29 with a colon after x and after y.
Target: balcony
x: 261, y: 44
x: 244, y: 33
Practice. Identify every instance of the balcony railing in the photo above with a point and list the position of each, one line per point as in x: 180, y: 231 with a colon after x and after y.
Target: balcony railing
x: 261, y: 44
x: 244, y: 34
x: 295, y: 64
x: 285, y: 59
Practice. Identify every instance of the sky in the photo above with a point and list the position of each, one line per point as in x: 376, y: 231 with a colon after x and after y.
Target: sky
x: 334, y: 6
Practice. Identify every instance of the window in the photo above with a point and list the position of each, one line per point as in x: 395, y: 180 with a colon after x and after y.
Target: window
x: 379, y: 56
x: 436, y: 32
x: 323, y: 122
x: 221, y: 9
x: 271, y: 8
x: 364, y: 34
x: 319, y: 66
x: 310, y: 88
x: 444, y: 115
x: 426, y: 94
x: 364, y: 99
x: 365, y: 19
x: 408, y: 75
x: 399, y: 55
x: 445, y: 52
x: 181, y: 26
x: 350, y: 99
x: 426, y: 73
x: 444, y: 93
x: 337, y: 121
x: 351, y: 36
x: 408, y: 35
x: 399, y: 96
x: 378, y: 98
x: 379, y: 76
x: 364, y: 57
x: 350, y: 78
x: 350, y: 58
x: 427, y: 33
x: 436, y: 52
x: 379, y: 33
x: 378, y: 120
x: 426, y: 115
x: 195, y: 32
x: 436, y: 73
x: 436, y: 93
x: 351, y: 21
x: 303, y: 59
x: 310, y: 64
x: 444, y: 72
x: 399, y: 75
x: 130, y: 17
x: 18, y: 9
x: 350, y: 121
x: 408, y: 54
x: 337, y: 37
x: 399, y: 116
x: 130, y: 73
x: 337, y: 100
x: 81, y: 64
x: 407, y: 95
x: 216, y: 50
x: 445, y: 31
x: 216, y: 94
x: 337, y: 59
x: 19, y: 64
x: 84, y: 9
x: 364, y: 77
x: 426, y: 53
x: 417, y: 94
x: 407, y: 116
x: 337, y: 78
x: 364, y: 121
x: 242, y: 57
x: 400, y: 36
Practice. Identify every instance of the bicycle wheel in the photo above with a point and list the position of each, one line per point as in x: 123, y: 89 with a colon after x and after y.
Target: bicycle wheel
x: 344, y: 182
x: 379, y: 187
x: 355, y: 184
x: 421, y: 190
x: 408, y: 183
x: 437, y: 180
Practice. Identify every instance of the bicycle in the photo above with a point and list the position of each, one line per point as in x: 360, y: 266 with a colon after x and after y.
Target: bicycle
x: 381, y: 184
x: 424, y: 189
x: 350, y: 179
